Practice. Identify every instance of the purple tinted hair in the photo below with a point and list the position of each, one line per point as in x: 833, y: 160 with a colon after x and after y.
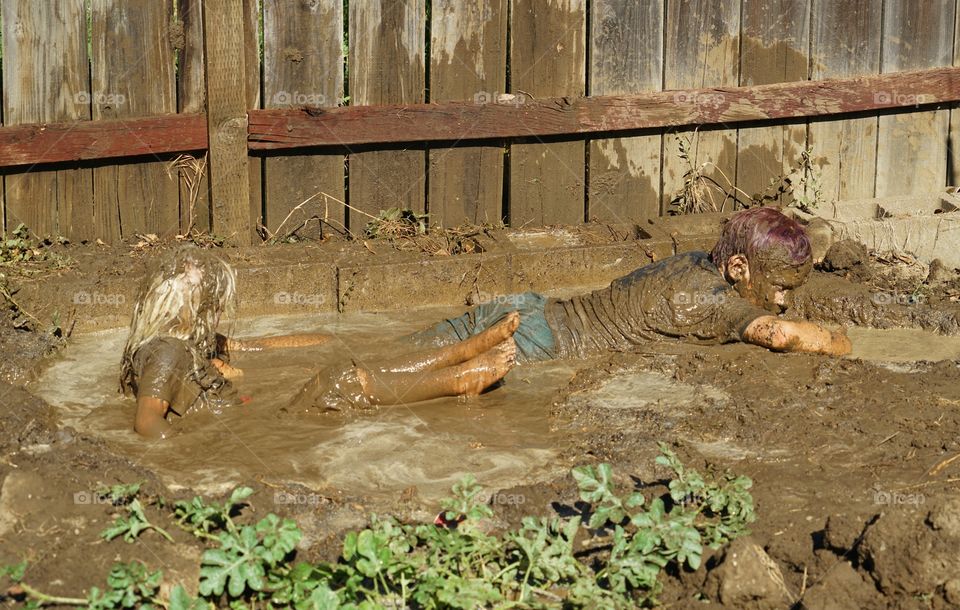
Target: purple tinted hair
x: 757, y: 230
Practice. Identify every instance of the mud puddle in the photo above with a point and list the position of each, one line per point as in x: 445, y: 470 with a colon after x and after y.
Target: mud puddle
x: 902, y: 345
x: 503, y: 437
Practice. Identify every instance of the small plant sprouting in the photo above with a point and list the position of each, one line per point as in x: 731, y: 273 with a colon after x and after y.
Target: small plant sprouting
x: 134, y: 522
x: 802, y: 186
x: 131, y: 525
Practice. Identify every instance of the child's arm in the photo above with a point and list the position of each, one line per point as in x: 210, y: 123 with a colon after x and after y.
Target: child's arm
x: 265, y: 343
x: 796, y: 336
x: 150, y: 420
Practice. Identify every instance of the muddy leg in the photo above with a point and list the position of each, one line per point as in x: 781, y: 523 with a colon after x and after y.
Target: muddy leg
x: 466, y: 378
x: 457, y: 353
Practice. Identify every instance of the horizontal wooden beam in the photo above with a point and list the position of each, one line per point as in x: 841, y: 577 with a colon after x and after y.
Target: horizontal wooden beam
x: 518, y: 116
x: 90, y: 140
x: 508, y: 117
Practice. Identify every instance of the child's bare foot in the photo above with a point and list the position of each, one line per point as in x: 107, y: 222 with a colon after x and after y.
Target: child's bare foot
x: 489, y: 338
x: 478, y: 374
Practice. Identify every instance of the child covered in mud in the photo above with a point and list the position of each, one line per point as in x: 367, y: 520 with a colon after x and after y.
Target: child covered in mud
x: 734, y: 293
x: 174, y: 361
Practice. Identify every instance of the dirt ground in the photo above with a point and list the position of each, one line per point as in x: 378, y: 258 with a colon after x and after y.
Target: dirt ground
x: 857, y: 500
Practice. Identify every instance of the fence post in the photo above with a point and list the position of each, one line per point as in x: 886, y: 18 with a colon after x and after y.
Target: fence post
x: 227, y: 120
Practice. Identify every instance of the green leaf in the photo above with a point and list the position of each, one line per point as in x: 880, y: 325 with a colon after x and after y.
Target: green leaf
x: 181, y: 600
x: 322, y: 598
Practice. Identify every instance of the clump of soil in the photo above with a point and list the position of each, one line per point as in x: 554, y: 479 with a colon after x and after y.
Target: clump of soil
x: 844, y: 254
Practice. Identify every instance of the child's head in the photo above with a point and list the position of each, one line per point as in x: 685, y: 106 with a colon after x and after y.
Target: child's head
x: 765, y: 254
x: 184, y: 296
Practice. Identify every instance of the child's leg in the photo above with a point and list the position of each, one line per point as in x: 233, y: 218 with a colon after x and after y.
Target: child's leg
x: 457, y: 353
x: 466, y: 378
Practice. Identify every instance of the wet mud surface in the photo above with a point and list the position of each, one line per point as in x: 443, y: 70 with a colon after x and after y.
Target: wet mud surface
x: 857, y: 500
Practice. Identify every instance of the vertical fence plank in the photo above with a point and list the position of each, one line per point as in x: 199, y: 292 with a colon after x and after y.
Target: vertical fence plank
x: 953, y: 170
x: 626, y: 57
x: 45, y: 79
x: 227, y: 119
x: 386, y: 66
x: 845, y: 41
x: 915, y: 35
x: 702, y: 50
x: 547, y: 59
x: 192, y: 98
x: 469, y: 61
x: 774, y: 48
x: 251, y: 61
x: 132, y: 69
x: 302, y: 66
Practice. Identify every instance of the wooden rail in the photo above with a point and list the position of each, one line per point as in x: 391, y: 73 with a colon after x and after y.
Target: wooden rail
x: 505, y: 118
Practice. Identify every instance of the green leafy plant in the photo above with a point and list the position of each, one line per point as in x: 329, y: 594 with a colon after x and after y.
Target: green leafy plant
x: 129, y: 585
x: 133, y: 521
x: 200, y: 518
x: 19, y: 246
x: 622, y: 550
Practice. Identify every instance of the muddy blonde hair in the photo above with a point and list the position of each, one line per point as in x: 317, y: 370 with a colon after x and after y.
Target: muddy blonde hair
x: 184, y: 297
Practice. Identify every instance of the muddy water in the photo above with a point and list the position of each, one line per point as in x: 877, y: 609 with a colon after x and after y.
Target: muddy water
x: 503, y: 437
x: 902, y: 345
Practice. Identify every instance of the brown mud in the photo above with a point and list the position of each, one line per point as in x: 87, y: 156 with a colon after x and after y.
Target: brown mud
x: 857, y: 503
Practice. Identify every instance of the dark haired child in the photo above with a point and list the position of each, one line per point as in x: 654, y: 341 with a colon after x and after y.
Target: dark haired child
x: 733, y: 293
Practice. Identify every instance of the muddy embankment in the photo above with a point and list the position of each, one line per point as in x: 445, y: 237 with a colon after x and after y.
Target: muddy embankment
x: 857, y: 498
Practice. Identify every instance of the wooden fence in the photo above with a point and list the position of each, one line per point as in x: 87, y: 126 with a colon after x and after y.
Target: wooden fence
x: 104, y: 67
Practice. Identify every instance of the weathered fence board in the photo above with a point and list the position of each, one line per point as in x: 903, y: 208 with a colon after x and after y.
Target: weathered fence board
x: 702, y: 50
x: 458, y: 121
x: 626, y: 57
x: 51, y: 36
x: 386, y: 66
x: 132, y: 69
x: 468, y: 42
x: 845, y: 41
x: 303, y: 66
x: 953, y: 170
x: 251, y: 45
x: 548, y: 41
x: 915, y: 35
x: 192, y: 98
x: 227, y: 118
x: 774, y: 48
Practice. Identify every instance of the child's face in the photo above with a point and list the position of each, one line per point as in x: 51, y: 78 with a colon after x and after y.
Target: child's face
x: 768, y: 288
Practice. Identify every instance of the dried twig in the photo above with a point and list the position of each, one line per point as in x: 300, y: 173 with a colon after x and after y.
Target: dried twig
x: 942, y: 464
